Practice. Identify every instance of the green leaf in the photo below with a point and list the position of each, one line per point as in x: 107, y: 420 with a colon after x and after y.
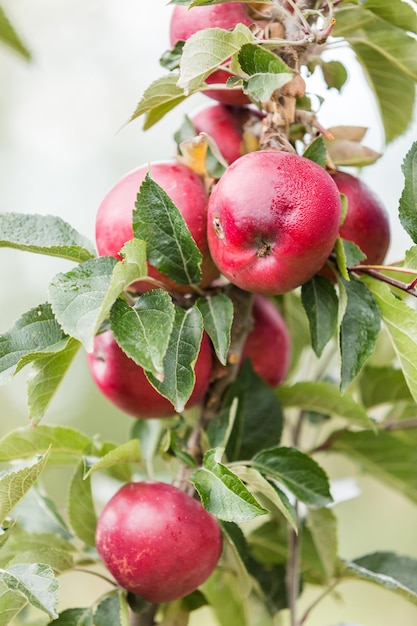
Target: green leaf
x: 353, y: 253
x: 14, y: 484
x: 128, y: 452
x: 36, y: 582
x: 234, y: 555
x: 143, y: 330
x: 408, y: 200
x: 158, y: 99
x: 217, y: 312
x: 322, y: 529
x: 170, y: 246
x: 389, y: 458
x: 180, y: 358
x: 66, y: 444
x: 297, y: 472
x: 401, y: 322
x: 9, y: 36
x: 325, y: 398
x: 35, y: 334
x: 386, y: 569
x: 112, y: 610
x: 317, y: 151
x: 320, y: 302
x: 47, y: 548
x: 259, y: 420
x: 267, y: 72
x: 397, y: 13
x: 170, y: 59
x: 39, y: 514
x: 359, y: 330
x: 223, y: 593
x: 334, y: 74
x: 205, y: 50
x: 44, y: 234
x: 47, y: 374
x: 75, y: 617
x: 81, y: 511
x: 346, y: 152
x: 11, y: 603
x: 222, y: 492
x: 383, y: 385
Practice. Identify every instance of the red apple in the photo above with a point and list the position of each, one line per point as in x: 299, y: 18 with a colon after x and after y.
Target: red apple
x: 225, y: 124
x: 366, y: 222
x: 157, y: 541
x: 124, y: 383
x: 273, y: 219
x: 185, y: 22
x: 186, y: 190
x: 268, y: 345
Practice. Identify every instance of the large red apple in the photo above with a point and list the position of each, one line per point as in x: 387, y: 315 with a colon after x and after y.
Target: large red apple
x: 225, y: 124
x: 273, y: 219
x: 268, y: 345
x: 186, y: 190
x: 157, y: 541
x: 366, y: 222
x: 185, y: 22
x: 124, y: 383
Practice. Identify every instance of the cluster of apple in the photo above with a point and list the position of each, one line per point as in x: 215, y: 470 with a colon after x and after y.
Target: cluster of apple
x: 268, y: 225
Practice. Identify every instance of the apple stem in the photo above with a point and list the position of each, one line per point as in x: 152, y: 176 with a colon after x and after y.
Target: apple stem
x: 147, y: 618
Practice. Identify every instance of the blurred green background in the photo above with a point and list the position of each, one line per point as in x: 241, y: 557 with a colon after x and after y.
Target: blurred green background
x: 64, y: 141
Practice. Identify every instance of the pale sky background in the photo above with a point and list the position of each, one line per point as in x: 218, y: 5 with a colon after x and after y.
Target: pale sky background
x: 64, y: 142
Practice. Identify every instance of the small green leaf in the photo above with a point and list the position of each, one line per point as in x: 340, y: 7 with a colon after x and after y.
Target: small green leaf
x: 205, y: 50
x: 359, y: 329
x: 296, y: 471
x: 334, y: 74
x: 112, y: 610
x: 320, y: 302
x: 9, y: 36
x: 66, y: 444
x: 14, y: 484
x: 401, y: 323
x: 217, y: 312
x: 11, y: 603
x: 47, y: 374
x: 223, y: 493
x: 39, y: 514
x: 408, y: 200
x: 128, y: 452
x: 257, y: 405
x: 75, y: 617
x: 224, y: 595
x: 325, y: 398
x: 353, y: 253
x: 322, y: 528
x: 348, y: 153
x: 35, y: 334
x: 170, y: 246
x: 81, y: 512
x: 317, y: 151
x: 180, y: 358
x: 37, y: 583
x: 267, y: 72
x: 386, y: 569
x: 158, y: 99
x: 143, y: 330
x: 44, y: 234
x: 170, y: 59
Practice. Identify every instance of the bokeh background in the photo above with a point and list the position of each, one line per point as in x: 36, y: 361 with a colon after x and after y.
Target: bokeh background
x: 64, y: 140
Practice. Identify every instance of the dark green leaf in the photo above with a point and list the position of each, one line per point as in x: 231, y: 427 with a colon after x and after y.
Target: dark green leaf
x: 170, y: 246
x: 258, y: 422
x: 143, y: 330
x: 36, y: 582
x: 170, y: 59
x: 386, y: 569
x: 180, y: 358
x: 81, y: 512
x: 112, y: 610
x: 223, y: 493
x: 317, y: 151
x: 158, y: 99
x: 35, y: 334
x: 44, y: 234
x: 75, y: 617
x: 408, y: 200
x: 320, y: 302
x: 297, y: 472
x: 9, y: 36
x: 353, y: 253
x: 359, y: 329
x: 334, y: 73
x: 217, y: 312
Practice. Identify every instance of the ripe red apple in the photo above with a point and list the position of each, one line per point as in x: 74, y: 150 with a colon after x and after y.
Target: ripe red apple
x: 185, y: 22
x: 124, y: 383
x: 225, y: 124
x: 273, y: 219
x: 268, y: 344
x: 366, y: 222
x: 157, y: 541
x: 186, y: 190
